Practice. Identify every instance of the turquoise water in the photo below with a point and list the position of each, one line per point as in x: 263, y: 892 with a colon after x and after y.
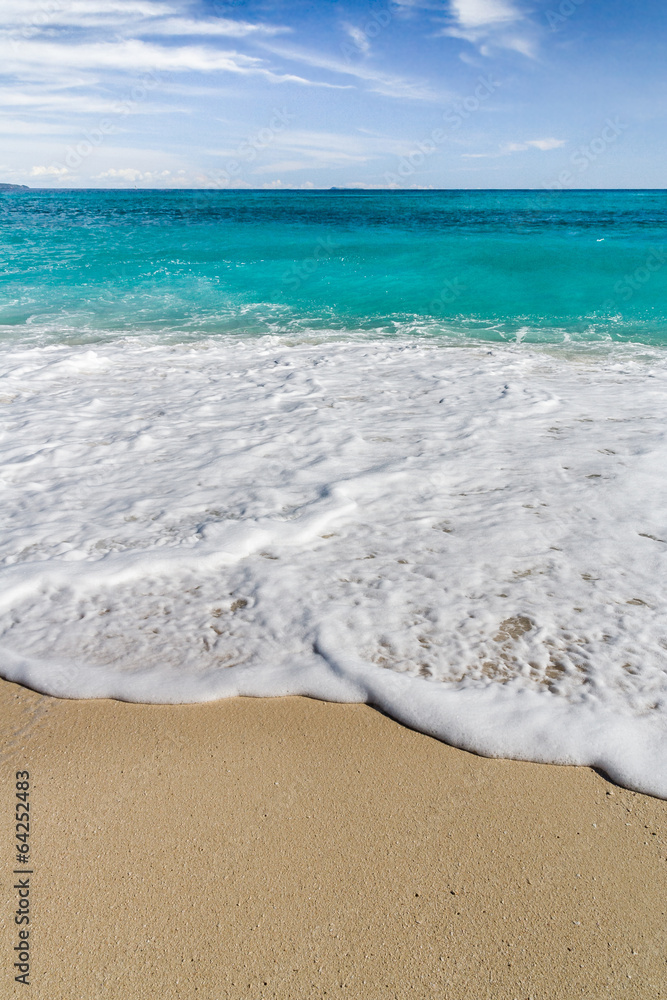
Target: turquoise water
x: 80, y: 266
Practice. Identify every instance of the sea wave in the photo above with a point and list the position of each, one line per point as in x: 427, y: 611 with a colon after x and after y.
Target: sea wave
x: 472, y: 537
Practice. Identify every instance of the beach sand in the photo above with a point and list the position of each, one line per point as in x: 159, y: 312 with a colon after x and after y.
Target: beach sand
x: 288, y: 848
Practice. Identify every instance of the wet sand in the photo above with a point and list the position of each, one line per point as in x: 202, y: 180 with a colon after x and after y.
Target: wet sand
x: 289, y: 848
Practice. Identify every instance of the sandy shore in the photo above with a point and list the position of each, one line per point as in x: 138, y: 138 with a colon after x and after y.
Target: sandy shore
x: 288, y: 848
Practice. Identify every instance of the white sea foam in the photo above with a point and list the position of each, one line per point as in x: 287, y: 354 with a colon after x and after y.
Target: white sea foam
x: 473, y: 539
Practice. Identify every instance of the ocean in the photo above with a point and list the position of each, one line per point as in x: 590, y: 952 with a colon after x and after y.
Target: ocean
x: 406, y: 448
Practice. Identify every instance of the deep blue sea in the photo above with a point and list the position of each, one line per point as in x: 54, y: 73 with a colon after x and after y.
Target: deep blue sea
x: 79, y: 266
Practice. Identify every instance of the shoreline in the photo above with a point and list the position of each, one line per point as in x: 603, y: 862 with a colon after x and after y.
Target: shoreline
x: 493, y: 516
x: 291, y: 848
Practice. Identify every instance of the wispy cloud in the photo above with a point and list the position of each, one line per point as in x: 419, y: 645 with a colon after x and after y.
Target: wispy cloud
x: 47, y: 41
x: 544, y: 145
x: 359, y: 38
x: 16, y: 126
x: 53, y: 170
x: 220, y: 26
x: 304, y: 149
x: 475, y: 14
x: 492, y: 24
x: 29, y: 17
x: 131, y: 175
x: 137, y: 56
x: 79, y: 11
x: 62, y: 100
x: 189, y: 86
x: 127, y: 55
x: 379, y: 82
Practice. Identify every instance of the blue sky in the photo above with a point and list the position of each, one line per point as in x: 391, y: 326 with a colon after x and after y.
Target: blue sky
x: 407, y: 94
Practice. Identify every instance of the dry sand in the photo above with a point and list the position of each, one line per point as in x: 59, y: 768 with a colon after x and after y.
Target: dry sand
x: 288, y: 848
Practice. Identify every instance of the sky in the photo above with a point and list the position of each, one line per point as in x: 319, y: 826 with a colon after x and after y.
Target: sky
x: 340, y: 93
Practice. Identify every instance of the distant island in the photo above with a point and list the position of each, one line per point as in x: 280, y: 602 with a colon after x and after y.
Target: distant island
x: 14, y: 187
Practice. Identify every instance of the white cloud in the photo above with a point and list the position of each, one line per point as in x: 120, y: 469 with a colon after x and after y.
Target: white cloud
x: 129, y: 55
x: 28, y: 18
x: 407, y: 6
x: 131, y: 175
x: 16, y: 126
x: 38, y: 12
x: 134, y: 55
x: 219, y: 26
x: 359, y: 38
x: 379, y: 82
x: 541, y: 144
x: 161, y: 18
x: 524, y: 46
x: 306, y: 149
x: 491, y: 25
x: 52, y: 171
x: 27, y: 100
x: 279, y: 185
x: 44, y: 40
x: 67, y: 59
x: 545, y: 144
x: 480, y: 13
x: 289, y: 166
